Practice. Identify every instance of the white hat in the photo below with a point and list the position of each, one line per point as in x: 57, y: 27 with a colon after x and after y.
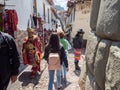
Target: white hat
x: 59, y: 30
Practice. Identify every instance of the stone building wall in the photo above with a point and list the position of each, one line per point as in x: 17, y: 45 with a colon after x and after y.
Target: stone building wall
x: 81, y: 18
x: 102, y: 62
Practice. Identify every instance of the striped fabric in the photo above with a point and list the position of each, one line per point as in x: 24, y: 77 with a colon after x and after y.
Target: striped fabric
x: 77, y: 53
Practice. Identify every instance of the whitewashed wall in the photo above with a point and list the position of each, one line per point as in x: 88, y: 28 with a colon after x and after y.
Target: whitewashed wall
x: 23, y: 8
x: 40, y: 10
x: 1, y: 1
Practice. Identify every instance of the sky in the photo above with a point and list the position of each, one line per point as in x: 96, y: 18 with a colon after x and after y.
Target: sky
x: 62, y: 3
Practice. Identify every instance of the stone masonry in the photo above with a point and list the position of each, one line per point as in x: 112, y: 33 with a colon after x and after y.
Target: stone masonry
x: 102, y: 62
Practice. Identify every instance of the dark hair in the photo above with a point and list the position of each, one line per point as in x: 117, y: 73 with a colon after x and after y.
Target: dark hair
x: 54, y: 45
x: 61, y: 35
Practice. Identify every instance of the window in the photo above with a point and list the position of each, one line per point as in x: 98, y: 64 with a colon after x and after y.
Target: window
x: 34, y: 7
x: 44, y: 11
x: 48, y: 15
x: 74, y: 14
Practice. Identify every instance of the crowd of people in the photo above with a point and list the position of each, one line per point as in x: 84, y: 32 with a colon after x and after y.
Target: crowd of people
x: 55, y: 53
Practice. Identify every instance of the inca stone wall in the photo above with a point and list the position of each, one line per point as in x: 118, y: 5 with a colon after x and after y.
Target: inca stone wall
x: 103, y: 48
x: 95, y: 5
x: 108, y: 24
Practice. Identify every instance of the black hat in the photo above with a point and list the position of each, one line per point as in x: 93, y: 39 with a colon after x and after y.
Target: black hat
x: 80, y: 31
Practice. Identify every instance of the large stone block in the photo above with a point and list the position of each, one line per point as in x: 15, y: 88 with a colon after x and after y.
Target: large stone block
x: 113, y: 68
x: 82, y: 78
x: 90, y: 53
x: 100, y: 63
x: 95, y: 5
x: 90, y: 81
x: 108, y: 24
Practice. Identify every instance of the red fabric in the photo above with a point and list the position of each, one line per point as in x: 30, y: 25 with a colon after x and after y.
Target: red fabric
x: 12, y: 19
x: 36, y: 44
x: 25, y: 58
x: 15, y: 20
x: 77, y: 54
x: 36, y: 68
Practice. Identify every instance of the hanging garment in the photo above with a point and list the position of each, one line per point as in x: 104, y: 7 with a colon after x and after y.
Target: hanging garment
x: 10, y: 22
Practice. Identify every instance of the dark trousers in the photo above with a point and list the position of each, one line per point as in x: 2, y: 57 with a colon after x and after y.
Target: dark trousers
x: 3, y: 85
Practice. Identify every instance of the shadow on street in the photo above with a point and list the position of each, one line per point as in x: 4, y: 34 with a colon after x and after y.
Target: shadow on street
x: 65, y: 84
x: 77, y: 72
x: 25, y: 78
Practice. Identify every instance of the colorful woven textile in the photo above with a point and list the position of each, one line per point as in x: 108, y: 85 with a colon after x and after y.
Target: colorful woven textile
x: 77, y: 53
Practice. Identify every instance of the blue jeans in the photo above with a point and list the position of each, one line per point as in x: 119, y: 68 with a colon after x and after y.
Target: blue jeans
x: 63, y: 70
x: 51, y: 78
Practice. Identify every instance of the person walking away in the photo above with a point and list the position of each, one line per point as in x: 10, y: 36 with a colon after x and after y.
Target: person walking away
x: 55, y: 48
x: 9, y: 60
x: 31, y: 23
x: 64, y: 42
x: 77, y: 45
x: 32, y: 52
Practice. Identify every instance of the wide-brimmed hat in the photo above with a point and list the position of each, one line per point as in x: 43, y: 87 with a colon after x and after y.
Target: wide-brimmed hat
x: 80, y: 31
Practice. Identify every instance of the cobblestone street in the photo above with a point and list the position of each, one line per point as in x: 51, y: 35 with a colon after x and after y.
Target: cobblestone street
x: 40, y: 82
x: 31, y: 28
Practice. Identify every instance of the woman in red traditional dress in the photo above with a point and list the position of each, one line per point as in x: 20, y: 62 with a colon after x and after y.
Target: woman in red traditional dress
x: 32, y: 51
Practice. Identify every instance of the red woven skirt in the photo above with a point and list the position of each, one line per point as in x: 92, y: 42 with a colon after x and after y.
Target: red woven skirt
x: 77, y: 53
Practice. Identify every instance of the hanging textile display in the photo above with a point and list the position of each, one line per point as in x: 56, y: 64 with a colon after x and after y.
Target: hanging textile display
x: 8, y: 21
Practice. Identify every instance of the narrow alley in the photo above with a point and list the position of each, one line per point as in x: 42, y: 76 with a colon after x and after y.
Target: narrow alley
x: 83, y: 36
x: 41, y: 81
x: 45, y: 17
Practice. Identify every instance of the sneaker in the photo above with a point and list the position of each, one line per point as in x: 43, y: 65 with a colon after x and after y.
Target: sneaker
x: 64, y: 79
x: 60, y: 88
x: 77, y: 68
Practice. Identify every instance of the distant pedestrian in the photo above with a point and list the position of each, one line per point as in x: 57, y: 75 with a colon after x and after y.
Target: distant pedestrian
x: 9, y: 60
x: 77, y: 45
x: 32, y: 52
x: 54, y: 64
x: 31, y: 23
x: 64, y: 42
